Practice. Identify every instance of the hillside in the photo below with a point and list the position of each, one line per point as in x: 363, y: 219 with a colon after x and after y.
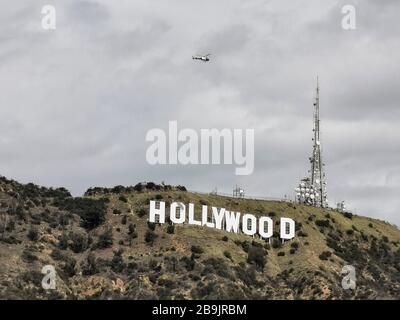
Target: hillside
x: 103, y: 248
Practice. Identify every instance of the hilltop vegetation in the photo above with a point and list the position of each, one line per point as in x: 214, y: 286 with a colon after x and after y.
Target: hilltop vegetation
x: 103, y: 247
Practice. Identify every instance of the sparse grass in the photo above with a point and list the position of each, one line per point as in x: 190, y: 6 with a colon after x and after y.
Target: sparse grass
x: 222, y: 255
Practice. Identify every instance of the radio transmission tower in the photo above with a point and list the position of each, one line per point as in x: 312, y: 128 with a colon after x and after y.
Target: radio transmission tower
x: 312, y: 190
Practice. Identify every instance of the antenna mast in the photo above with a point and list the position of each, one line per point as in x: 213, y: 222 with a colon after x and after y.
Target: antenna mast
x: 312, y: 190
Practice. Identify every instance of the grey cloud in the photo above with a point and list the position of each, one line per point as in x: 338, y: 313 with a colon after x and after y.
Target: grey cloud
x: 77, y: 102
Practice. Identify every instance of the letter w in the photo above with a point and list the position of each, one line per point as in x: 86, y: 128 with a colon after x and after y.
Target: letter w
x: 232, y: 221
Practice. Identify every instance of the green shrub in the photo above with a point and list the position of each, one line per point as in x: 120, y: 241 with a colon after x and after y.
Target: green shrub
x: 153, y: 265
x: 302, y: 234
x: 217, y: 266
x: 63, y: 220
x: 123, y: 198
x: 69, y: 267
x: 33, y: 234
x: 141, y: 212
x: 63, y: 242
x: 171, y: 229
x: 188, y: 263
x: 150, y: 236
x: 20, y: 213
x: 124, y: 220
x: 138, y: 187
x: 131, y: 267
x: 348, y: 215
x: 89, y: 267
x: 257, y: 256
x: 150, y: 185
x: 91, y: 211
x: 246, y: 246
x: 247, y: 275
x: 276, y: 243
x: 131, y: 228
x: 151, y: 226
x: 28, y: 256
x: 32, y: 276
x: 323, y: 223
x: 325, y: 255
x: 228, y: 255
x: 197, y: 249
x: 118, y: 189
x: 79, y: 242
x: 10, y: 240
x: 57, y: 254
x: 105, y: 239
x: 168, y: 283
x: 133, y: 235
x: 294, y: 245
x: 117, y: 262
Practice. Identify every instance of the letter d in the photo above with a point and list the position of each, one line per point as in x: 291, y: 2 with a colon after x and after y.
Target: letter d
x: 287, y: 228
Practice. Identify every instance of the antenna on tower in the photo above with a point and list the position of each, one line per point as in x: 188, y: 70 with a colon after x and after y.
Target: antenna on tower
x: 312, y: 190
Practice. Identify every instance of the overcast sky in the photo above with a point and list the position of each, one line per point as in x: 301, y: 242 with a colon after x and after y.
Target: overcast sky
x: 76, y: 103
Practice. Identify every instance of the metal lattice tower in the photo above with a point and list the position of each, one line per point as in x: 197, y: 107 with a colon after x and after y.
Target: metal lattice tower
x: 312, y: 190
x: 238, y: 192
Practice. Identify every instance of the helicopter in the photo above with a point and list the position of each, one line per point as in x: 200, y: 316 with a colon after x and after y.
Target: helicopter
x: 203, y: 58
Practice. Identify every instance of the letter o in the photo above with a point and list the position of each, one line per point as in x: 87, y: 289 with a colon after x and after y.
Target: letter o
x: 173, y: 212
x: 261, y: 228
x: 245, y: 224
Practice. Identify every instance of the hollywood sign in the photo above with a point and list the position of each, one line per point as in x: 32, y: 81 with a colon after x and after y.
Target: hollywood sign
x: 221, y: 219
